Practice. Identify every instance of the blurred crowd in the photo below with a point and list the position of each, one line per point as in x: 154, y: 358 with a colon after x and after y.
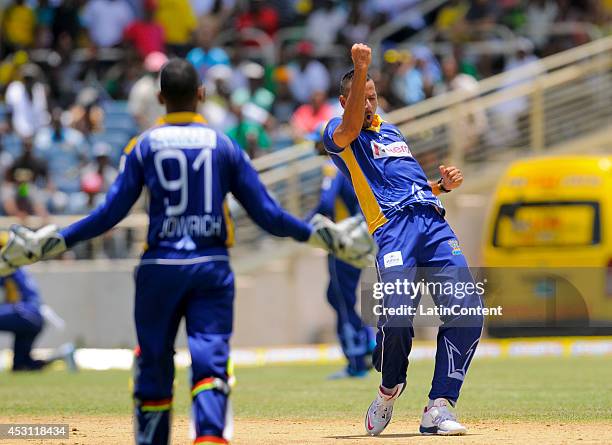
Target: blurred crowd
x: 79, y: 78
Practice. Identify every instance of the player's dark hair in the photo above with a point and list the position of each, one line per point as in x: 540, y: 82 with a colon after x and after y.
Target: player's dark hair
x: 179, y: 82
x: 348, y: 78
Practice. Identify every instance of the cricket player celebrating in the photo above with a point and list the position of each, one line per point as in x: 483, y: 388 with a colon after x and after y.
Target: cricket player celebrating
x: 407, y: 222
x: 187, y: 169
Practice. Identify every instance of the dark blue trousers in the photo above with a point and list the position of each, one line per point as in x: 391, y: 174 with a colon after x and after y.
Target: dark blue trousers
x: 354, y: 336
x: 25, y: 321
x: 417, y: 243
x: 203, y: 294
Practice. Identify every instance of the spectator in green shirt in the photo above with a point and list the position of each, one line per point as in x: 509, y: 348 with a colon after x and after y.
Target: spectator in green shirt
x: 251, y: 135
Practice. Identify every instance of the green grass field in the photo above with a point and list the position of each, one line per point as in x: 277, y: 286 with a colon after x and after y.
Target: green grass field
x: 546, y: 389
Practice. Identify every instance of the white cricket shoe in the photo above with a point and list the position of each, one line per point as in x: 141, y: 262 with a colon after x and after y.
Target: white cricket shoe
x: 380, y: 411
x: 438, y: 419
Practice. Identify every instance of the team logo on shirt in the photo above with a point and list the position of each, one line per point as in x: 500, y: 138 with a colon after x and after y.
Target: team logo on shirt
x: 396, y: 150
x: 454, y: 245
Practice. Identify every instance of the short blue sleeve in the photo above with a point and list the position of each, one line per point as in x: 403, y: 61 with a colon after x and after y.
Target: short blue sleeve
x: 328, y: 136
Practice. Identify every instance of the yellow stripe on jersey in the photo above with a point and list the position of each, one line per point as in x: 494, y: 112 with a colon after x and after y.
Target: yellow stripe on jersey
x: 183, y: 117
x: 329, y: 171
x: 12, y: 291
x: 341, y: 210
x: 130, y: 146
x: 367, y: 201
x: 229, y: 225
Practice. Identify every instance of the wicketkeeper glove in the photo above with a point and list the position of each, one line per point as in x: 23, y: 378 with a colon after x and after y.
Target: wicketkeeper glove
x: 45, y: 243
x: 14, y: 252
x: 26, y: 246
x: 348, y: 241
x: 361, y: 249
x: 5, y: 269
x: 326, y: 235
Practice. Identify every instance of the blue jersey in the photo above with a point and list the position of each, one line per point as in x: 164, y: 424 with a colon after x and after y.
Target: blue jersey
x: 188, y: 169
x: 337, y: 200
x: 18, y: 287
x: 382, y: 170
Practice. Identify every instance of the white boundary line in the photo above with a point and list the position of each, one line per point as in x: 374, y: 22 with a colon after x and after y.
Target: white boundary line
x: 105, y: 359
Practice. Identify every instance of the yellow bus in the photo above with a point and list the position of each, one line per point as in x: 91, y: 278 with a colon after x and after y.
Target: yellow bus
x: 548, y: 240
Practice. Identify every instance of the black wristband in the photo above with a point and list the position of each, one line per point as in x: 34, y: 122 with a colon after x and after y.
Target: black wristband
x: 441, y: 186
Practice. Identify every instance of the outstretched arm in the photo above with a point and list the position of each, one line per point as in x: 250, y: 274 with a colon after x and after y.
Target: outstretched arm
x: 260, y: 206
x: 119, y: 200
x: 26, y: 247
x: 354, y: 107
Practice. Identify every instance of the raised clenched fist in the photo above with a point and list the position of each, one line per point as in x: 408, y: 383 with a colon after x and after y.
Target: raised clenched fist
x: 361, y: 55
